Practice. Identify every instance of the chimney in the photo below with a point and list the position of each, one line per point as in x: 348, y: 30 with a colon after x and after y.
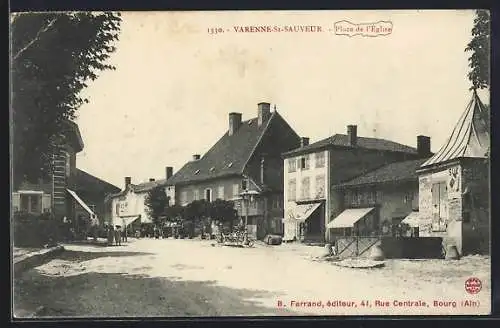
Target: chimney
x: 168, y: 172
x: 128, y: 180
x: 352, y: 133
x: 234, y: 122
x: 264, y: 112
x: 196, y: 157
x: 151, y: 179
x: 304, y: 141
x: 423, y: 146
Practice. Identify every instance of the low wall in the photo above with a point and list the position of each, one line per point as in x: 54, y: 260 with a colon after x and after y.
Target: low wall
x: 412, y: 247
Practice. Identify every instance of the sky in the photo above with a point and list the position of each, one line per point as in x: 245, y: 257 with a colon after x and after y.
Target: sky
x: 175, y: 83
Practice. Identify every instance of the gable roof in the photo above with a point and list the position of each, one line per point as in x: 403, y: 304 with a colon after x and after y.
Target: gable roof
x: 228, y: 156
x: 342, y: 140
x: 394, y: 172
x: 470, y: 136
x: 91, y: 183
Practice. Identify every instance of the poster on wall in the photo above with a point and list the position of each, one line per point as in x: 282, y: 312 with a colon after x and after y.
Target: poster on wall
x: 454, y: 183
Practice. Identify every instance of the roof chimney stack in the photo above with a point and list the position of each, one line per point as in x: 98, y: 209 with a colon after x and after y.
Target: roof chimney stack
x: 151, y: 179
x: 128, y: 180
x: 196, y: 157
x: 264, y: 112
x: 352, y: 134
x: 234, y: 122
x: 424, y: 146
x: 169, y: 170
x: 304, y: 141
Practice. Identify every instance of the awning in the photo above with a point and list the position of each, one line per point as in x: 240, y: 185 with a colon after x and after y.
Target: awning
x: 347, y: 218
x: 302, y: 212
x: 129, y: 220
x: 412, y: 219
x: 82, y: 204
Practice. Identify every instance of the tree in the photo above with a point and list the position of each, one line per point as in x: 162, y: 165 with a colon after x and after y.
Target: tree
x: 174, y: 213
x: 54, y: 55
x: 223, y: 211
x: 156, y: 202
x: 479, y: 46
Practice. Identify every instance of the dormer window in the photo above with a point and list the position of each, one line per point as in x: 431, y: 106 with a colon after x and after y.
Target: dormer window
x: 212, y: 169
x: 196, y: 172
x: 250, y: 122
x: 230, y: 164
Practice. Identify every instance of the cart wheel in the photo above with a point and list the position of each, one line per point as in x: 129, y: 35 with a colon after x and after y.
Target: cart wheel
x: 250, y: 243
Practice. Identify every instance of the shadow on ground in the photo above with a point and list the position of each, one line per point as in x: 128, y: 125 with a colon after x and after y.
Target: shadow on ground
x: 80, y: 256
x: 122, y: 295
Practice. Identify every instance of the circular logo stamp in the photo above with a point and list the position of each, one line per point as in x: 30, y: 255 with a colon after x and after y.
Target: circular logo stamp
x: 473, y: 285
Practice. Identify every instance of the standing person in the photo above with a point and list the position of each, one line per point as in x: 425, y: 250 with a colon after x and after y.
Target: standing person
x: 111, y: 235
x: 118, y: 236
x: 125, y: 234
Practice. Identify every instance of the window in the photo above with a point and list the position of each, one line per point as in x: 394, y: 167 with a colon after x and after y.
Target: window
x: 371, y: 196
x: 31, y: 203
x: 244, y: 184
x: 236, y: 189
x: 439, y: 208
x: 184, y: 198
x: 117, y: 209
x: 320, y: 186
x: 408, y: 197
x: 196, y: 194
x: 208, y: 195
x: 320, y: 159
x: 220, y: 192
x: 305, y: 188
x: 292, y: 190
x: 304, y: 162
x: 292, y: 165
x: 277, y: 202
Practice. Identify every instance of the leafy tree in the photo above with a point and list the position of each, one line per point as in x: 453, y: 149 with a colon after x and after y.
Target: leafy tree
x: 54, y: 55
x: 223, y: 211
x: 174, y: 213
x: 479, y: 46
x: 156, y: 202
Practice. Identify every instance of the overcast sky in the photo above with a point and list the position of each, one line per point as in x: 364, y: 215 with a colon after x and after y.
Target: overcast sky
x: 175, y: 84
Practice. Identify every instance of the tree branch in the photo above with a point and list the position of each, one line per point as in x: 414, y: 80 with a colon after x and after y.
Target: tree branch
x: 37, y: 36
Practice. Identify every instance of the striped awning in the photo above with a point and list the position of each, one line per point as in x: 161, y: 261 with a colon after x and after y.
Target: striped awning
x: 412, y: 219
x: 349, y: 217
x: 93, y: 216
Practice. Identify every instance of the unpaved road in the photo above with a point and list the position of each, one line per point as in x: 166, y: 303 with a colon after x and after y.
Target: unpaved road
x: 171, y: 278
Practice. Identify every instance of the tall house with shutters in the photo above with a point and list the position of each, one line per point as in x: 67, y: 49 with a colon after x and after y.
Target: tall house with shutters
x: 313, y: 172
x: 68, y: 192
x: 246, y: 158
x: 454, y: 192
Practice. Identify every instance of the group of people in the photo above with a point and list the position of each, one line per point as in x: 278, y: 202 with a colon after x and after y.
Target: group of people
x: 115, y: 236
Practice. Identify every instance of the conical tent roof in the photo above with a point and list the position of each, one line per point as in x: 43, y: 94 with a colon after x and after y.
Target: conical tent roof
x: 470, y: 137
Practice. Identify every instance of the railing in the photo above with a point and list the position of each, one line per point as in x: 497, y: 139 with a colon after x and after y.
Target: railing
x: 355, y: 245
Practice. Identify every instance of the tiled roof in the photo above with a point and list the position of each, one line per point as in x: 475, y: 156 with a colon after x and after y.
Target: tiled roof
x: 342, y: 140
x: 88, y: 182
x: 394, y: 172
x: 228, y: 156
x: 470, y: 136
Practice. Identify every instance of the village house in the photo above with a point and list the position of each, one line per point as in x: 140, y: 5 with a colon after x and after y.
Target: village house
x: 377, y: 202
x: 128, y: 206
x: 63, y: 194
x: 313, y: 171
x: 245, y: 160
x: 454, y: 192
x: 92, y: 191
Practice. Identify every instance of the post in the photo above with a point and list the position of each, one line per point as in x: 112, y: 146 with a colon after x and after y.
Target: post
x: 247, y: 201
